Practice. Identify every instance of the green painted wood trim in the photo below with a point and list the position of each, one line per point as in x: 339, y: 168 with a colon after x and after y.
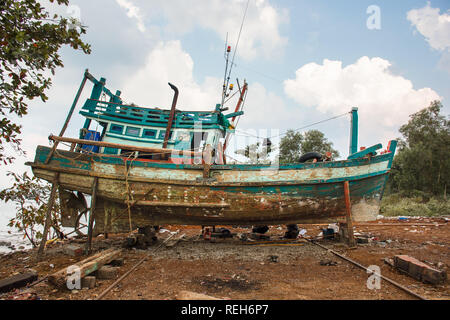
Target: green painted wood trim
x: 365, y: 152
x: 354, y: 132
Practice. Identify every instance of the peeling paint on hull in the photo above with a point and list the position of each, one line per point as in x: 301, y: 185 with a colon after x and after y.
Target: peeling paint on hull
x: 165, y: 193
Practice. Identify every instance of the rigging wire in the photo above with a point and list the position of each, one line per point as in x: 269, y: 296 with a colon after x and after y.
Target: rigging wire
x: 298, y: 129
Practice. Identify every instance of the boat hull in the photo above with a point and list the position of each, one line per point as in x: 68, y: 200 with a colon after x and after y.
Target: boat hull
x: 164, y: 193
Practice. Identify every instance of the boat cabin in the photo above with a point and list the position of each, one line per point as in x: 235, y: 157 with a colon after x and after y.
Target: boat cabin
x: 124, y: 124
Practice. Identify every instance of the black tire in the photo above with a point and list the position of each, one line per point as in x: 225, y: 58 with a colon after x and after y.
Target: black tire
x: 260, y: 229
x: 292, y: 231
x: 309, y: 156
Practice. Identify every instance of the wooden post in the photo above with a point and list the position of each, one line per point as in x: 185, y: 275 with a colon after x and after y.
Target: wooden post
x: 91, y: 215
x: 207, y: 157
x: 48, y: 215
x: 348, y: 205
x: 69, y: 116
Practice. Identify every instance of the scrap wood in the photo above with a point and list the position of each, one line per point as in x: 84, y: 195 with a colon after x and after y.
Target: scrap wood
x: 175, y: 241
x: 86, y: 266
x: 17, y: 281
x: 147, y: 256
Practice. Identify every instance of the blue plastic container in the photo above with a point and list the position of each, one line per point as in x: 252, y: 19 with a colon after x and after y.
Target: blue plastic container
x: 91, y: 135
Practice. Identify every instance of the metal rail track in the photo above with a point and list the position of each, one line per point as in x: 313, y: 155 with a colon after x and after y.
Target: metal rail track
x: 369, y: 271
x: 104, y: 293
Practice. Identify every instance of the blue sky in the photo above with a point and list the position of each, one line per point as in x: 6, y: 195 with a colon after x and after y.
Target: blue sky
x: 304, y: 61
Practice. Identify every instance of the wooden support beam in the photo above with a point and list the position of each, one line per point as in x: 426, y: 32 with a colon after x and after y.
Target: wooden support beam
x: 92, y: 215
x: 348, y: 206
x: 69, y: 116
x: 207, y: 157
x: 48, y: 215
x: 86, y: 267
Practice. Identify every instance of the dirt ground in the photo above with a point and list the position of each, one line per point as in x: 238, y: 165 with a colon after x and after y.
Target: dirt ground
x: 234, y: 269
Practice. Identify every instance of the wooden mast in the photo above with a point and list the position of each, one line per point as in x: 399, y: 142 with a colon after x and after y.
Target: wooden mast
x: 238, y: 107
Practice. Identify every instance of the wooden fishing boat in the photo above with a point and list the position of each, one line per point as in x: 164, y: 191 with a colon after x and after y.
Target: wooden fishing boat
x: 149, y: 167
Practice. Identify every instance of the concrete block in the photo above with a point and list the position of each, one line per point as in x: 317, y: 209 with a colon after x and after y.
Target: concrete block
x: 73, y: 250
x: 401, y: 262
x: 88, y: 282
x: 434, y: 276
x: 419, y: 270
x: 107, y: 273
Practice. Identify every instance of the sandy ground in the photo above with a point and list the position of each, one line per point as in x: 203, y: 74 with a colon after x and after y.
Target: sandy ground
x: 233, y: 269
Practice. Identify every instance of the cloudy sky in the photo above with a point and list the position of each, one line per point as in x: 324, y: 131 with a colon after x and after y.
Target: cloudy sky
x: 305, y: 61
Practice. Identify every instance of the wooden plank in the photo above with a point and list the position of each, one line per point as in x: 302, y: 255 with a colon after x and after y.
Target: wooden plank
x: 17, y: 281
x: 48, y: 215
x: 125, y: 146
x: 348, y: 206
x: 86, y: 267
x: 179, y: 204
x: 92, y: 215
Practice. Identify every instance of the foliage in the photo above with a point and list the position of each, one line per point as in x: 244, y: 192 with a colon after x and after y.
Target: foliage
x: 293, y: 145
x: 258, y: 152
x: 423, y: 160
x: 417, y: 204
x: 290, y: 147
x: 30, y: 39
x: 30, y: 196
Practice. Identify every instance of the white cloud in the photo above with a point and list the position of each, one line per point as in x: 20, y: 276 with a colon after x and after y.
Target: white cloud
x: 384, y: 100
x: 260, y: 34
x: 168, y: 62
x: 433, y: 26
x: 133, y: 12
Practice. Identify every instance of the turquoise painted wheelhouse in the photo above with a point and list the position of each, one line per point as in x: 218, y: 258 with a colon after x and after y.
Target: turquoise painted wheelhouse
x: 146, y: 127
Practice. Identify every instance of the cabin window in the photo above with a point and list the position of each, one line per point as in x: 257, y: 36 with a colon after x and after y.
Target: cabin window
x: 198, y: 140
x: 162, y: 134
x: 148, y: 133
x: 116, y: 128
x: 110, y: 150
x: 133, y: 131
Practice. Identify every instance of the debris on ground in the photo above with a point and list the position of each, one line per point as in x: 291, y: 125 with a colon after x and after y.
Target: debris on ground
x: 389, y: 262
x: 85, y: 267
x: 246, y: 270
x: 24, y: 295
x: 17, y: 281
x: 419, y: 270
x: 328, y: 263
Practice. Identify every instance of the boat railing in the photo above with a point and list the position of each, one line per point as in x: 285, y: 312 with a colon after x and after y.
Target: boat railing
x: 145, y: 116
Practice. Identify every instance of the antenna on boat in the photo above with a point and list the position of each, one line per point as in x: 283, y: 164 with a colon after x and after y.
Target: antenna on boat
x: 226, y: 80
